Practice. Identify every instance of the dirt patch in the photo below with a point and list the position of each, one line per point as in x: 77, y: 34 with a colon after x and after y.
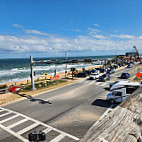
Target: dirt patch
x: 11, y: 97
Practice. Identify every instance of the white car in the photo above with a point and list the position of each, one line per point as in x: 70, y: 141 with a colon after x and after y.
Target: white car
x: 94, y: 76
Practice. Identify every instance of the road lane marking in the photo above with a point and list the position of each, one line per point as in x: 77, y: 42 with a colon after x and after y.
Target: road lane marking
x: 13, y: 133
x: 5, y: 114
x: 47, y: 130
x: 12, y: 117
x: 103, y: 84
x: 58, y: 138
x: 98, y: 83
x: 36, y: 123
x: 17, y: 123
x: 28, y: 128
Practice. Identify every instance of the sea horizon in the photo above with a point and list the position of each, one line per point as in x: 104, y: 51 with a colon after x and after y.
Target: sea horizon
x: 19, y: 69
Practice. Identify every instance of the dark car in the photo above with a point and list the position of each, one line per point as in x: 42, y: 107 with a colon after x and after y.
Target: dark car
x: 87, y: 72
x: 81, y: 75
x: 104, y: 77
x: 102, y: 70
x: 129, y: 66
x: 125, y: 75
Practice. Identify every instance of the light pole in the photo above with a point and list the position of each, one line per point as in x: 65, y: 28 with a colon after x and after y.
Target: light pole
x: 32, y: 74
x: 66, y: 62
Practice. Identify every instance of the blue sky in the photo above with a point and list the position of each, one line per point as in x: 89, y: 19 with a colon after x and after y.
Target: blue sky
x: 88, y: 27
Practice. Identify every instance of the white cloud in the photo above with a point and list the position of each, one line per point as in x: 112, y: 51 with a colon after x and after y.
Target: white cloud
x: 97, y: 25
x: 50, y: 43
x: 100, y: 37
x: 36, y: 32
x: 17, y: 26
x: 123, y: 36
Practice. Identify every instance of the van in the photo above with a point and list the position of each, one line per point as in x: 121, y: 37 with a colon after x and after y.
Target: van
x: 119, y: 95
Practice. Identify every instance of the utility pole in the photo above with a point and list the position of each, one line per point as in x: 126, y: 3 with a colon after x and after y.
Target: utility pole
x: 66, y: 62
x: 32, y: 74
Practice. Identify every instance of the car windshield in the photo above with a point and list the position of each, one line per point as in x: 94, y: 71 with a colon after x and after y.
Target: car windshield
x: 115, y: 82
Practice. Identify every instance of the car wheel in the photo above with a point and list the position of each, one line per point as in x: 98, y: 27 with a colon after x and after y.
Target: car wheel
x: 111, y: 101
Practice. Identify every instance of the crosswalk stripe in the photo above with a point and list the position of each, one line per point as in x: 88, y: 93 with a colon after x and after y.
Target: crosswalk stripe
x: 12, y: 117
x: 36, y: 123
x: 27, y: 128
x: 17, y: 123
x: 58, y: 138
x: 98, y: 83
x: 5, y: 114
x: 47, y: 130
x: 103, y: 84
x: 1, y: 110
x: 13, y: 133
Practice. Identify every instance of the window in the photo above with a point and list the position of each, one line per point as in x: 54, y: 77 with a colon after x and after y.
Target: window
x: 118, y: 93
x: 130, y: 90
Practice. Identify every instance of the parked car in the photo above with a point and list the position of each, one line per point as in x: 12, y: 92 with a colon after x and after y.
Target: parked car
x: 94, y: 76
x: 81, y: 75
x: 95, y: 71
x: 104, y: 77
x: 129, y: 66
x: 87, y: 72
x: 140, y: 62
x: 125, y: 75
x: 14, y: 89
x: 102, y: 70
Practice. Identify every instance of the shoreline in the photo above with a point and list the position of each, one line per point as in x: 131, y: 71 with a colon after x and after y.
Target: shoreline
x: 9, y: 97
x: 42, y: 77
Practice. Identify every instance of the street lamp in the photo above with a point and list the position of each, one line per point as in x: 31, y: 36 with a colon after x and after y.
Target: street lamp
x: 32, y: 74
x: 66, y: 62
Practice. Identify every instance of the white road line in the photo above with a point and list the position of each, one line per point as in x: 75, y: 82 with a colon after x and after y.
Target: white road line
x: 58, y: 138
x: 98, y: 83
x: 1, y: 110
x: 5, y: 114
x: 13, y: 133
x: 27, y: 128
x: 48, y: 126
x: 47, y: 130
x: 103, y: 84
x: 17, y: 123
x: 12, y: 117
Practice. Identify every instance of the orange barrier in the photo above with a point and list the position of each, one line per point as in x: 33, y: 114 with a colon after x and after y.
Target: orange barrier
x: 54, y: 78
x: 51, y: 77
x: 57, y: 77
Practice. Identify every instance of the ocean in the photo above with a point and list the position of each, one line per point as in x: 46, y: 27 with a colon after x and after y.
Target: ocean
x: 19, y: 69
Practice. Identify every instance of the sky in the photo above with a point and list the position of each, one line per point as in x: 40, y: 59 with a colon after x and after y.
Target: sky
x: 49, y: 28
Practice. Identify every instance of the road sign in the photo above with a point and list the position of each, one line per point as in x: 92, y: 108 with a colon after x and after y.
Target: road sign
x: 138, y: 74
x: 46, y: 74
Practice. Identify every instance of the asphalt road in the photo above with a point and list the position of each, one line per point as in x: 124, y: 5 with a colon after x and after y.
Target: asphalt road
x: 65, y: 114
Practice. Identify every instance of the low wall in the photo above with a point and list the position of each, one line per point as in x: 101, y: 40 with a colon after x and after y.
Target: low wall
x: 121, y: 124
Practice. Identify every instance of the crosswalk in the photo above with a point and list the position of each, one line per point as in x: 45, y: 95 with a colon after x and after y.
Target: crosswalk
x: 95, y: 83
x: 12, y: 121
